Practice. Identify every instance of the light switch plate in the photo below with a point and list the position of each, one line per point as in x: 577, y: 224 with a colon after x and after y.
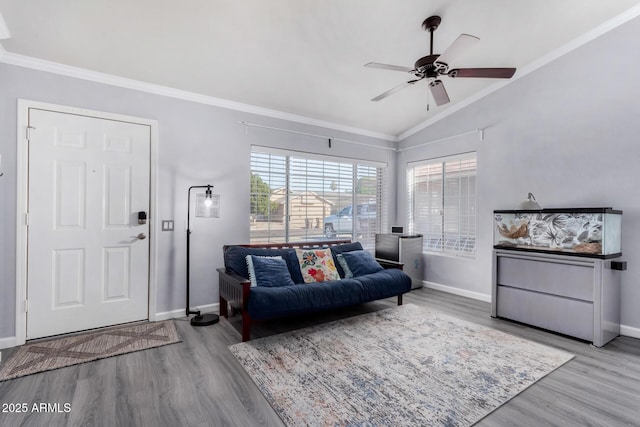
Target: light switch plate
x: 167, y: 225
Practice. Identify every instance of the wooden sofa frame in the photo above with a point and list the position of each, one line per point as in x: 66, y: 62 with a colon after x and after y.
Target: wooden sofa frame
x: 234, y: 289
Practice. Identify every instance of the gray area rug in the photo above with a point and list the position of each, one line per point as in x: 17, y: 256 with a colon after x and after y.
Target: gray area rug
x: 86, y: 347
x: 401, y: 366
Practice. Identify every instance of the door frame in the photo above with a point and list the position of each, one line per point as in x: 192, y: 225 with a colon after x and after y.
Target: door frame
x: 22, y: 192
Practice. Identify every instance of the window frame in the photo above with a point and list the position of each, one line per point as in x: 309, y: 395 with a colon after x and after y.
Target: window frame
x: 293, y: 177
x: 447, y: 243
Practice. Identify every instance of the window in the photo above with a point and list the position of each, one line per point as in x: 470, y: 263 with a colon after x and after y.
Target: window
x: 300, y: 197
x: 442, y: 203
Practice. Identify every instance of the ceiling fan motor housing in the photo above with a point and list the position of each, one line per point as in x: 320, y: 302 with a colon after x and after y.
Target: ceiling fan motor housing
x: 424, y: 66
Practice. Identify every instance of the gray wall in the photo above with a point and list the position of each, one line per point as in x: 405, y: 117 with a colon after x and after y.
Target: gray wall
x: 569, y: 133
x: 198, y: 144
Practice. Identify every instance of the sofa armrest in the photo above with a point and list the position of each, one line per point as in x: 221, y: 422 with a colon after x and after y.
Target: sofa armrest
x: 233, y: 276
x: 387, y: 263
x: 234, y: 289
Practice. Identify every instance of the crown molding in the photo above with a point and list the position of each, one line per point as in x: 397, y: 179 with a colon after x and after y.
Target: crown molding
x: 112, y: 80
x: 603, y: 28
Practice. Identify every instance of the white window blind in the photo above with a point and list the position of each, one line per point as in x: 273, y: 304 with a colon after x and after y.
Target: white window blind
x: 295, y: 197
x: 442, y: 203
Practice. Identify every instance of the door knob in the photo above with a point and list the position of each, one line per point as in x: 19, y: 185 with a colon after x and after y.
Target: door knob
x: 141, y: 236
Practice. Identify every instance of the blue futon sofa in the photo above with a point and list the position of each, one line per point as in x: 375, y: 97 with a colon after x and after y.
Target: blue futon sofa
x: 258, y: 303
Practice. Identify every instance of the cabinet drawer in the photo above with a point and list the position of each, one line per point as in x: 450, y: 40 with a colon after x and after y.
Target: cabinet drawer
x: 564, y: 315
x: 564, y: 279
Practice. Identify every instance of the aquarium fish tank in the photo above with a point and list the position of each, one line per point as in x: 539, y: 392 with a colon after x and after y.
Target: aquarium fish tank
x: 591, y: 232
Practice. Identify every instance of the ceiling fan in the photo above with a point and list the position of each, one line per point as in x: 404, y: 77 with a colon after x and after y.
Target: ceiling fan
x: 432, y: 66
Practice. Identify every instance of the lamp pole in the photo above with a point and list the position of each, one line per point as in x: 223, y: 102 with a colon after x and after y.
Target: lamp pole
x: 199, y: 319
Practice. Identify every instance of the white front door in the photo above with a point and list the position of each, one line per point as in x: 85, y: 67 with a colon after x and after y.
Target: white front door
x: 88, y: 258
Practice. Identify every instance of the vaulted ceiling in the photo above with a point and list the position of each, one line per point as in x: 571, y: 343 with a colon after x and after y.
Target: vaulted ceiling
x: 304, y: 57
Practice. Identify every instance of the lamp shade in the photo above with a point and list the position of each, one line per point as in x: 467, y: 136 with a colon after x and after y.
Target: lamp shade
x: 207, y: 205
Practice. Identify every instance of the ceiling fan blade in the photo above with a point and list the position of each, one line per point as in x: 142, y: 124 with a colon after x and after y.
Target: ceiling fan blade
x: 388, y: 67
x: 439, y: 93
x: 394, y: 90
x: 459, y: 45
x: 487, y: 73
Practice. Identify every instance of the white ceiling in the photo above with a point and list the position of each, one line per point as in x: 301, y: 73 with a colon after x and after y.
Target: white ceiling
x: 303, y: 57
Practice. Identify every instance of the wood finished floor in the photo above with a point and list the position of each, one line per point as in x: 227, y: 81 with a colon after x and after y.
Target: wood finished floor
x: 199, y: 383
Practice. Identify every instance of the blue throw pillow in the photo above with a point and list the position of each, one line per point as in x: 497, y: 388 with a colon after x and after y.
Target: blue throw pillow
x: 359, y: 263
x: 339, y: 249
x: 235, y: 260
x: 268, y: 271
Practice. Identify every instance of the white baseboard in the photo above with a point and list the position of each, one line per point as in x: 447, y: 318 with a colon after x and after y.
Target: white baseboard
x: 630, y: 331
x: 457, y: 291
x: 174, y: 314
x: 8, y: 342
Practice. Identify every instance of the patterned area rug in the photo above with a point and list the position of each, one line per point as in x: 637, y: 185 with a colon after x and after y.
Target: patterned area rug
x: 401, y: 366
x: 71, y: 350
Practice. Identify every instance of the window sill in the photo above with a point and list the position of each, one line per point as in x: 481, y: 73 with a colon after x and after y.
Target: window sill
x: 451, y: 255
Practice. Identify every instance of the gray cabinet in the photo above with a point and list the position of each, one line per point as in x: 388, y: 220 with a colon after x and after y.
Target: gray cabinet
x: 575, y: 296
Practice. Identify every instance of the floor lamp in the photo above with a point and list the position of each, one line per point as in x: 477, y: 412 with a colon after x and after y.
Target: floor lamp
x: 207, y: 206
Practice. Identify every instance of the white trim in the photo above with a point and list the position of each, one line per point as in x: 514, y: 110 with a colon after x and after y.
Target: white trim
x: 22, y: 173
x: 155, y: 225
x: 8, y: 342
x: 457, y: 291
x: 175, y: 314
x: 601, y: 29
x: 629, y: 331
x: 450, y: 255
x: 110, y: 79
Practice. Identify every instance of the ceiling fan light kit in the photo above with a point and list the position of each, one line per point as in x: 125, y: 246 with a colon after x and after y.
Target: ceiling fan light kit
x: 433, y: 66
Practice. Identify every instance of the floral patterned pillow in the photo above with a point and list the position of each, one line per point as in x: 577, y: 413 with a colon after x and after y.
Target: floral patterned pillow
x: 317, y: 265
